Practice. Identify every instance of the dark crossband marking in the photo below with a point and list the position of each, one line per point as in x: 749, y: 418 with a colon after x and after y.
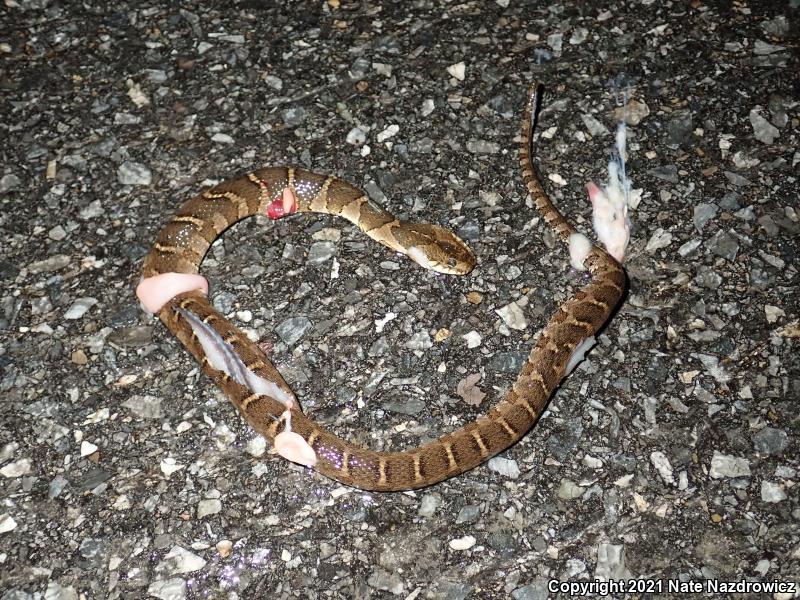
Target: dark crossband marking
x: 312, y: 437
x: 320, y: 201
x: 579, y: 323
x: 169, y: 249
x: 417, y: 471
x: 198, y: 223
x: 451, y: 460
x: 241, y: 204
x: 479, y: 440
x: 352, y: 211
x: 382, y: 471
x: 523, y: 401
x: 249, y: 399
x: 180, y: 248
x: 509, y: 429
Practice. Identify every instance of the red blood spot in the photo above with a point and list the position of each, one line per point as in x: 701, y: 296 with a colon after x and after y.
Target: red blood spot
x: 283, y: 205
x: 275, y: 209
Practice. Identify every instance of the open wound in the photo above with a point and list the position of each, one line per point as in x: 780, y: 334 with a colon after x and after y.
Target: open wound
x: 579, y: 353
x: 292, y: 446
x: 222, y: 357
x: 284, y: 205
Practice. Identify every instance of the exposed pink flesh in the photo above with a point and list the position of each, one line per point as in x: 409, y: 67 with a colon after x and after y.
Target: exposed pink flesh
x: 593, y: 191
x: 293, y: 447
x: 285, y: 205
x: 154, y: 292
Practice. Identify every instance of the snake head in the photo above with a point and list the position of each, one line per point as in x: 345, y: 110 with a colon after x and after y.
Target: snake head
x: 435, y: 248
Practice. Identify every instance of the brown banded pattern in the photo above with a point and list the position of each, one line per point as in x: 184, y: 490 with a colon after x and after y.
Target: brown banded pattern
x: 180, y: 247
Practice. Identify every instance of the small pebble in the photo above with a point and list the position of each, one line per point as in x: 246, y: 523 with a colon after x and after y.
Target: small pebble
x: 578, y: 36
x: 764, y: 131
x: 170, y: 589
x: 679, y: 127
x: 222, y: 138
x: 428, y: 505
x: 569, y: 490
x: 512, y: 316
x: 473, y: 339
x: 7, y: 523
x: 724, y: 245
x: 474, y: 297
x: 168, y: 466
x: 144, y: 406
x: 52, y: 263
x: 595, y: 127
x: 319, y: 252
x: 293, y: 117
x: 224, y: 548
x: 78, y: 357
x: 9, y: 182
x: 179, y: 560
x: 208, y: 507
x: 134, y: 173
x: 356, y: 137
x: 292, y: 329
x: 462, y: 543
x: 772, y: 492
x: 18, y: 468
x: 91, y: 211
x: 504, y: 466
x: 256, y: 446
x: 556, y: 42
x: 468, y: 513
x: 703, y: 213
x: 390, y: 131
x: 611, y: 562
x: 723, y: 465
x: 79, y: 308
x: 457, y: 70
x: 419, y: 341
x: 482, y: 147
x: 87, y: 448
x: 57, y: 233
x: 328, y: 234
x: 773, y: 313
x: 770, y: 441
x: 632, y: 113
x: 663, y: 466
x: 659, y: 239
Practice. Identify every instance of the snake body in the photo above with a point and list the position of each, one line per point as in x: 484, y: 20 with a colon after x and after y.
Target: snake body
x: 182, y: 244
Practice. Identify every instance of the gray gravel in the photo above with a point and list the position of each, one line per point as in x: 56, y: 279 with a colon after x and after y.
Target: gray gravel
x: 671, y: 453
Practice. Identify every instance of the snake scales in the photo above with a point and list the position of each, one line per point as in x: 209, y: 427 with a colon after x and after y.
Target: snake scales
x: 182, y: 244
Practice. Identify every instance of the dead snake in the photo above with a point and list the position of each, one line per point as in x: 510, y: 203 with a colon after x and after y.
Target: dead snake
x: 182, y: 244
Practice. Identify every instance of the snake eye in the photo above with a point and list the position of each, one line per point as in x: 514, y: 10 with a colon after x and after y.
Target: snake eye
x: 452, y: 262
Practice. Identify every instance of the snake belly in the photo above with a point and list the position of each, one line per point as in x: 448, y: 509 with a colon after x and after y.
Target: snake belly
x: 182, y: 244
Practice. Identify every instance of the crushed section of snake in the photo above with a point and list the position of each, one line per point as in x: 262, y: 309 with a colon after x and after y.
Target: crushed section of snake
x: 610, y: 204
x: 181, y: 245
x: 578, y: 354
x: 154, y: 292
x: 292, y: 446
x: 579, y: 248
x: 222, y: 357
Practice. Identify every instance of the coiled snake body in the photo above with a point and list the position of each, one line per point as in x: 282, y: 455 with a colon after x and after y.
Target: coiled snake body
x: 182, y: 244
